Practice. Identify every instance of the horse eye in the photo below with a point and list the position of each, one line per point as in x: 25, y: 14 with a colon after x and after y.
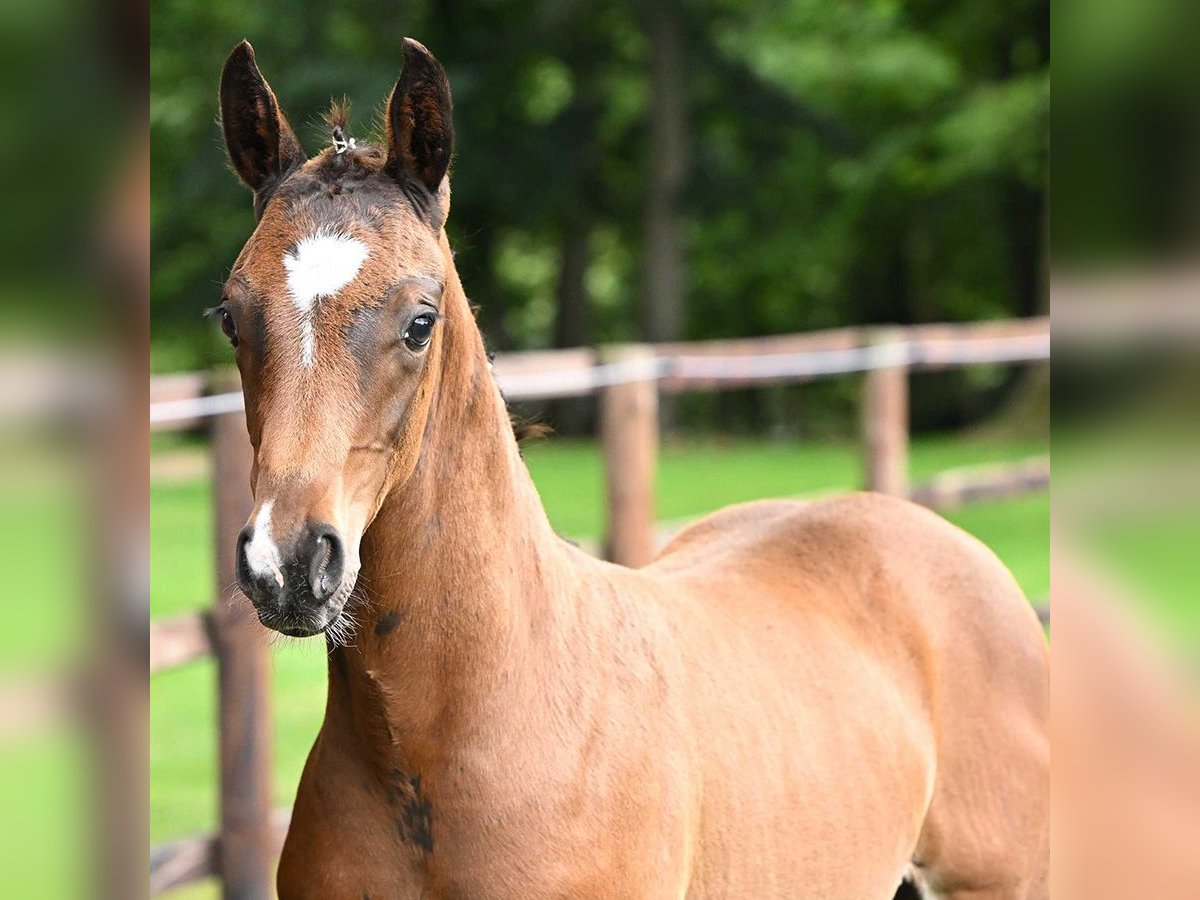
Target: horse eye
x: 419, y: 331
x: 229, y: 327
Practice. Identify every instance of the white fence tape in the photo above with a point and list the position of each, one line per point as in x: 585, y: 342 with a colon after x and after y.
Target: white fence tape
x: 801, y: 366
x: 577, y: 382
x: 196, y: 407
x: 1019, y: 348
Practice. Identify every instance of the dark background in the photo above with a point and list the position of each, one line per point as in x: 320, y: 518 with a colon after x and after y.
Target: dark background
x: 662, y: 171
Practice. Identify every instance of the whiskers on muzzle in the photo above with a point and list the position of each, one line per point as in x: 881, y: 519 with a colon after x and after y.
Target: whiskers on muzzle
x: 336, y: 618
x: 344, y: 628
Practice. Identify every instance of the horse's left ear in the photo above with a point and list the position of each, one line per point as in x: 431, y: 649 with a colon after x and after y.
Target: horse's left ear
x: 420, y: 129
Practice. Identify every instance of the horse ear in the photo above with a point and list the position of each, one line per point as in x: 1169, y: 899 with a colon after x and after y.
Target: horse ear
x: 420, y: 130
x: 261, y: 144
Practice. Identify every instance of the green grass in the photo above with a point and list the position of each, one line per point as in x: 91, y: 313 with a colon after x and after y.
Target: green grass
x: 49, y: 615
x: 693, y: 478
x: 181, y: 547
x: 1126, y: 519
x: 45, y: 528
x: 1155, y: 557
x: 49, y: 804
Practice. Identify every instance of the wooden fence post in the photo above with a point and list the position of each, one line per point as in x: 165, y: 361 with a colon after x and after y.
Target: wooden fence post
x: 885, y: 418
x: 243, y: 667
x: 629, y: 433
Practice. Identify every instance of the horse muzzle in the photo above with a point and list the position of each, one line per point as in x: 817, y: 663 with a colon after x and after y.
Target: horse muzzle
x: 300, y: 589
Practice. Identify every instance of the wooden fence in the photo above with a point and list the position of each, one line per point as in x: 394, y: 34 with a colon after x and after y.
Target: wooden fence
x: 628, y: 380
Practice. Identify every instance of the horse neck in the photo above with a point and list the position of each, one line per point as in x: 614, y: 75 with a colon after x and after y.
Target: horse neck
x: 454, y: 567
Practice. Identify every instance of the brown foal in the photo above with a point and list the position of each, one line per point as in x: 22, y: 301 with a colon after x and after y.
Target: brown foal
x: 793, y: 700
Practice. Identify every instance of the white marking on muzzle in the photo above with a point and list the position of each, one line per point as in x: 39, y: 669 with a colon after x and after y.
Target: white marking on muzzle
x: 262, y: 556
x: 317, y: 267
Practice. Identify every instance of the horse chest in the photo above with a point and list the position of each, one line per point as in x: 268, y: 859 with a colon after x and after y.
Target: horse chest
x: 466, y: 836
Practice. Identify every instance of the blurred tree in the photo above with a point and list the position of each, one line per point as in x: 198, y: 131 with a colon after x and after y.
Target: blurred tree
x: 681, y: 169
x: 664, y: 279
x: 925, y: 130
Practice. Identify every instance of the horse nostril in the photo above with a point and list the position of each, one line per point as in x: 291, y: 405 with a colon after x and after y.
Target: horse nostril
x: 260, y: 586
x: 327, y: 564
x: 240, y: 564
x: 319, y: 563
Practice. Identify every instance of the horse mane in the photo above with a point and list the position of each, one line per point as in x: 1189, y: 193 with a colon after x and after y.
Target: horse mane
x: 525, y: 428
x: 338, y: 115
x: 528, y: 429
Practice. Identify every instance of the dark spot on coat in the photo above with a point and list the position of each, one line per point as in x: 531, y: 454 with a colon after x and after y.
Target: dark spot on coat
x: 415, y: 823
x: 387, y: 623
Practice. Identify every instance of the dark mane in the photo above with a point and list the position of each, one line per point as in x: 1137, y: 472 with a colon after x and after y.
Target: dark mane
x: 348, y: 163
x: 355, y: 165
x: 338, y: 115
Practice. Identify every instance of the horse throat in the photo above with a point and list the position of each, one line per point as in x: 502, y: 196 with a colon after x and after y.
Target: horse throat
x: 454, y: 569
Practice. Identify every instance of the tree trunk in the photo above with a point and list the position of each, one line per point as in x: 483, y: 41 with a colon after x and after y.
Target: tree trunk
x: 1026, y: 410
x: 1025, y: 413
x: 476, y: 268
x: 663, y: 286
x: 572, y: 323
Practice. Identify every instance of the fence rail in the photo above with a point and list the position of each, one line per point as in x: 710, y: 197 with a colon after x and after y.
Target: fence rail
x: 628, y: 380
x: 183, y: 400
x: 179, y: 640
x: 177, y: 863
x: 185, y: 637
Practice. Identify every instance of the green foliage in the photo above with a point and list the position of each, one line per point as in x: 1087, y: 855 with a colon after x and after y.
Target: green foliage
x: 849, y: 162
x: 908, y: 129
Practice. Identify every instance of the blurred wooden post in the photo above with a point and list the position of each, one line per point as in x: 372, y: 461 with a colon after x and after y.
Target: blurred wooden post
x: 245, y: 862
x: 885, y: 417
x: 629, y: 433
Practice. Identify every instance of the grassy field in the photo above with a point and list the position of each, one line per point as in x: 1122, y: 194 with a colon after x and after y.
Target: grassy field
x: 692, y: 479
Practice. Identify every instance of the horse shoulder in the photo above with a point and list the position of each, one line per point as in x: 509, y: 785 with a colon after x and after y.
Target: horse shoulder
x: 895, y: 579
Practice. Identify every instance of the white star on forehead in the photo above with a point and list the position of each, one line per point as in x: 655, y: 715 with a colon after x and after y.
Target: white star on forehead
x: 317, y: 267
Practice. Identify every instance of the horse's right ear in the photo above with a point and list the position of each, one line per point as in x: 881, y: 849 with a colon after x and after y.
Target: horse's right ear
x: 261, y: 144
x: 420, y: 126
